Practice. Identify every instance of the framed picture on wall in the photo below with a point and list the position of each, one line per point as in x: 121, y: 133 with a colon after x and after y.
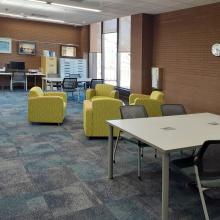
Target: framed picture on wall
x: 5, y: 45
x: 27, y: 48
x: 68, y: 51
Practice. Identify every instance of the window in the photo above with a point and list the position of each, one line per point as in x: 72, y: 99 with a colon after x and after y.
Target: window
x: 110, y: 51
x: 110, y: 58
x: 125, y: 70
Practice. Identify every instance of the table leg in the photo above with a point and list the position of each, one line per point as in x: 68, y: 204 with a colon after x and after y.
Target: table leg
x: 42, y: 84
x: 51, y: 86
x: 26, y: 83
x: 11, y: 86
x: 165, y: 186
x: 110, y: 153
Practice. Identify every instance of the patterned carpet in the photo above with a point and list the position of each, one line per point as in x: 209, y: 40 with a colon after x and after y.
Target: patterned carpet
x: 55, y: 172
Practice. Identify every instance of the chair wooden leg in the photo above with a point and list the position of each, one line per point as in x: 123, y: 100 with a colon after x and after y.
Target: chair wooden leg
x: 116, y: 145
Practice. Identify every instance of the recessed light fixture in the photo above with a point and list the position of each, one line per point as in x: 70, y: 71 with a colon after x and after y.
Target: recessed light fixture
x: 66, y: 6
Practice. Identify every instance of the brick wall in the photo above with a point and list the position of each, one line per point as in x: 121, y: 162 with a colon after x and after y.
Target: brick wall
x: 39, y: 32
x: 182, y: 47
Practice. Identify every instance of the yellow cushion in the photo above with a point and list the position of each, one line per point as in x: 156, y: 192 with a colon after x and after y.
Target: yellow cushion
x: 103, y: 89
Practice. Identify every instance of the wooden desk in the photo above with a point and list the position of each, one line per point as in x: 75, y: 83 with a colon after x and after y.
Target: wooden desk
x: 26, y: 74
x: 7, y: 74
x: 35, y: 78
x: 167, y: 134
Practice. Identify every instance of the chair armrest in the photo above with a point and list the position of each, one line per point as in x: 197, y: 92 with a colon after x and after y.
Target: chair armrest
x: 58, y: 94
x: 134, y: 96
x: 87, y: 117
x: 90, y: 93
x: 114, y: 94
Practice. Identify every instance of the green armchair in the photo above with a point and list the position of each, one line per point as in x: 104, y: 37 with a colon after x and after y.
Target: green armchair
x: 151, y: 102
x: 102, y: 91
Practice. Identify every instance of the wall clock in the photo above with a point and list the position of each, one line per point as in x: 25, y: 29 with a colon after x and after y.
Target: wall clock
x: 216, y: 49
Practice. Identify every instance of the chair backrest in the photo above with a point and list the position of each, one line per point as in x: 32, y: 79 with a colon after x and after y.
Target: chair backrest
x: 172, y: 109
x: 35, y: 92
x: 69, y: 83
x: 94, y: 82
x: 103, y: 89
x: 157, y: 95
x: 207, y: 160
x: 18, y: 77
x: 133, y: 111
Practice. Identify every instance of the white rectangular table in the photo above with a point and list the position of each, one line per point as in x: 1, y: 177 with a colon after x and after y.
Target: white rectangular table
x: 167, y: 134
x: 52, y: 80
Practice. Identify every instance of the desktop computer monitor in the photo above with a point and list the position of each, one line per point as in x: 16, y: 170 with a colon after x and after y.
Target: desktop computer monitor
x: 17, y: 65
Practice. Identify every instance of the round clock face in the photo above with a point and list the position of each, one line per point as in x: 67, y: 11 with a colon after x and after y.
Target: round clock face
x: 216, y: 49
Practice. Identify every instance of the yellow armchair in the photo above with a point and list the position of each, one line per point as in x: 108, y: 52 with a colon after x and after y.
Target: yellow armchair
x: 95, y: 114
x: 48, y: 107
x: 101, y: 91
x: 151, y: 102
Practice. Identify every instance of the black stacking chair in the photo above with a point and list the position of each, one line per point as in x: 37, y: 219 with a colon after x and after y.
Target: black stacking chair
x: 94, y: 82
x: 19, y: 78
x: 172, y: 109
x: 129, y: 112
x: 70, y: 85
x: 207, y: 169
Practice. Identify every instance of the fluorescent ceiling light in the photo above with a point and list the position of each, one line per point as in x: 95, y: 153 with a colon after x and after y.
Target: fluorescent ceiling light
x: 66, y: 6
x: 45, y: 19
x: 37, y: 18
x: 11, y: 15
x: 50, y: 20
x: 38, y: 1
x: 76, y: 7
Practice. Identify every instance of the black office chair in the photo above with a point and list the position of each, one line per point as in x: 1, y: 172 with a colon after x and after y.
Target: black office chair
x: 70, y: 85
x: 94, y: 82
x: 19, y: 78
x: 172, y: 109
x: 207, y: 169
x: 129, y: 112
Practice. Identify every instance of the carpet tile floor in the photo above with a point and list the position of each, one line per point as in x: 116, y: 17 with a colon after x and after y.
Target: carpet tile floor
x: 55, y: 172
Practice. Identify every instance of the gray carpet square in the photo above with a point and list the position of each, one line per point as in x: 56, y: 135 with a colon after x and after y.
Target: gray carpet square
x: 69, y: 199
